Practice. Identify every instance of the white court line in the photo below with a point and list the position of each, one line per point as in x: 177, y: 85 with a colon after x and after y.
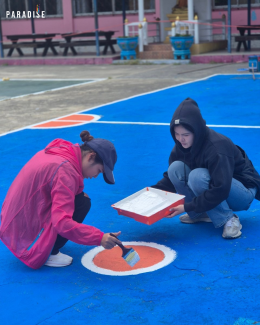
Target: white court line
x: 53, y: 89
x: 167, y: 124
x: 235, y: 126
x: 136, y: 123
x: 121, y: 100
x: 80, y: 79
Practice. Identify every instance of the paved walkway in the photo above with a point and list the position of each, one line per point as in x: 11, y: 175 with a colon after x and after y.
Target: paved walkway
x: 121, y: 81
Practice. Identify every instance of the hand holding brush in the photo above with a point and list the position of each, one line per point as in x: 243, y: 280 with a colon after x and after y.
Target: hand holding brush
x: 110, y: 240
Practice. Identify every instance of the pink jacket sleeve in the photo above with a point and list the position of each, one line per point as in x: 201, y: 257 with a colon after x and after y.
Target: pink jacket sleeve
x: 64, y: 188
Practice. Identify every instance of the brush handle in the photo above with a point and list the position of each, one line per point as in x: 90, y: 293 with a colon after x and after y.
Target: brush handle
x: 124, y: 249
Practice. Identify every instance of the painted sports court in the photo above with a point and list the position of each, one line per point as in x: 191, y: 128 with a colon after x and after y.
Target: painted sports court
x: 209, y: 281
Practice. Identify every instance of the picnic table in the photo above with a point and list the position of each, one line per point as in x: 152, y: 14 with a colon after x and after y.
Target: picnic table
x: 243, y: 38
x: 106, y: 42
x: 46, y: 43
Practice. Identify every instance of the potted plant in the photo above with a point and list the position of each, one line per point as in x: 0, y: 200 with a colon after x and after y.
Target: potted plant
x: 182, y: 44
x: 127, y: 45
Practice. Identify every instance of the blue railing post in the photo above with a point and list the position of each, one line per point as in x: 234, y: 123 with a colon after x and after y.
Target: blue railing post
x: 96, y: 27
x: 124, y: 16
x: 249, y: 21
x: 229, y: 26
x: 32, y: 23
x: 1, y: 38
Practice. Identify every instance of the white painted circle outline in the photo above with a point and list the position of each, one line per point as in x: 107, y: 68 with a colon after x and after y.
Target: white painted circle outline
x: 169, y: 256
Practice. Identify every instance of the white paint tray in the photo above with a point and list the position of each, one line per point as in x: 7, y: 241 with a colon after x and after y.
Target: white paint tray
x: 148, y: 205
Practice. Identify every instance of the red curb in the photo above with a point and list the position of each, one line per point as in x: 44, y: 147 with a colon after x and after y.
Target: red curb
x: 236, y: 58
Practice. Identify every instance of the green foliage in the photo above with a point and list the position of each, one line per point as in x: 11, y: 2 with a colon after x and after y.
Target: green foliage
x: 127, y: 36
x: 182, y: 35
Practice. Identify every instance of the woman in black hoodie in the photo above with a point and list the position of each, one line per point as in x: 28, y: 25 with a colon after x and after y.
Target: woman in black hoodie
x: 214, y: 174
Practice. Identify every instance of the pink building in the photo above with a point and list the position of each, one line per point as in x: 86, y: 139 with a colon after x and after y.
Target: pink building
x: 65, y: 16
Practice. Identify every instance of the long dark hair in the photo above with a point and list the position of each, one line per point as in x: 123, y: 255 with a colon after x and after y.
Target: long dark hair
x: 85, y: 149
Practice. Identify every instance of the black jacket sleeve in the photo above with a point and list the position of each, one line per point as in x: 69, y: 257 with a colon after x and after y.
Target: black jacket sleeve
x: 221, y: 169
x: 165, y: 184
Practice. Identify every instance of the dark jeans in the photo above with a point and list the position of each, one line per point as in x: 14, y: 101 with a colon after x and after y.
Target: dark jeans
x: 82, y: 207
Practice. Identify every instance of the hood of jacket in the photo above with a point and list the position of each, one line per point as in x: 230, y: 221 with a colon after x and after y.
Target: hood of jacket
x: 188, y: 115
x: 66, y: 150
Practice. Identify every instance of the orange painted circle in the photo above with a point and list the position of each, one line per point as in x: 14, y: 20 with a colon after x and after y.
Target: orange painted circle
x: 55, y: 124
x: 67, y: 121
x: 112, y: 259
x: 77, y: 117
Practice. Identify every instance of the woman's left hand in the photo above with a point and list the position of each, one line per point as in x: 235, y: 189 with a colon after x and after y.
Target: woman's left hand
x: 177, y: 210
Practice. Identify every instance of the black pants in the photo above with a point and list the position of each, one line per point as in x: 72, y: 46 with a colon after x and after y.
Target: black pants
x: 82, y: 207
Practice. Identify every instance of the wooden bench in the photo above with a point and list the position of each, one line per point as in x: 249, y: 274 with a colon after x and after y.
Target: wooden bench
x: 27, y: 44
x: 86, y: 43
x: 70, y: 44
x: 242, y: 40
x: 37, y: 41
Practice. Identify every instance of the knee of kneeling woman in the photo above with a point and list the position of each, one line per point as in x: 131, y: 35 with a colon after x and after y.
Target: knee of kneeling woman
x: 81, y: 212
x: 175, y: 171
x: 198, y: 180
x: 87, y: 205
x: 82, y: 204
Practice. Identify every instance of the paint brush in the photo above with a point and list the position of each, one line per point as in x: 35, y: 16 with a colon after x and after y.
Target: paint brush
x: 129, y: 254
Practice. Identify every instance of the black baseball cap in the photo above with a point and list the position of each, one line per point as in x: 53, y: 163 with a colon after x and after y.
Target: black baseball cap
x: 107, y: 152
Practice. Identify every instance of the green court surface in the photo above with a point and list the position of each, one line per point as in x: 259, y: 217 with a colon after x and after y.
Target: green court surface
x: 20, y: 87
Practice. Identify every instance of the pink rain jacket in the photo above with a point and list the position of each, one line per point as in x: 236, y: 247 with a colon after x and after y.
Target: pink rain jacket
x: 40, y: 204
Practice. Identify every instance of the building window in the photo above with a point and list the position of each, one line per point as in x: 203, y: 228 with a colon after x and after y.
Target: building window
x: 83, y: 7
x: 132, y: 5
x: 235, y: 3
x: 14, y: 5
x: 104, y: 6
x: 52, y: 8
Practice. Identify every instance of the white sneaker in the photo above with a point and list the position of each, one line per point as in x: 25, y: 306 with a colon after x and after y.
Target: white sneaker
x: 59, y: 260
x: 232, y: 228
x: 186, y: 219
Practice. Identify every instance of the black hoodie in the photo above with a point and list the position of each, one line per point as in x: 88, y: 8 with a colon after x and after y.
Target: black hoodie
x: 214, y: 151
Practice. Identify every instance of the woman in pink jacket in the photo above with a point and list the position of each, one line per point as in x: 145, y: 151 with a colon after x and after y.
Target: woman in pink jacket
x: 45, y: 205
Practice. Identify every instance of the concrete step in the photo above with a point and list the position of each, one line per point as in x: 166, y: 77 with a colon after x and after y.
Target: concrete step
x: 179, y: 10
x: 156, y: 51
x: 149, y: 55
x: 173, y: 17
x: 157, y: 47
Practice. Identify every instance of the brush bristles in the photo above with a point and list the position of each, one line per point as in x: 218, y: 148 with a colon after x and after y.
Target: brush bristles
x: 131, y: 257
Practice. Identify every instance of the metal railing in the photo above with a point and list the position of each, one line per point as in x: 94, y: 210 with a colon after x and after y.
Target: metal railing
x: 202, y: 30
x: 143, y: 32
x: 212, y: 29
x: 138, y: 29
x: 186, y: 27
x: 154, y: 33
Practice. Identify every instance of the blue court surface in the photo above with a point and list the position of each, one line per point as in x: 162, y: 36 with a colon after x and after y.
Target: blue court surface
x: 212, y: 280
